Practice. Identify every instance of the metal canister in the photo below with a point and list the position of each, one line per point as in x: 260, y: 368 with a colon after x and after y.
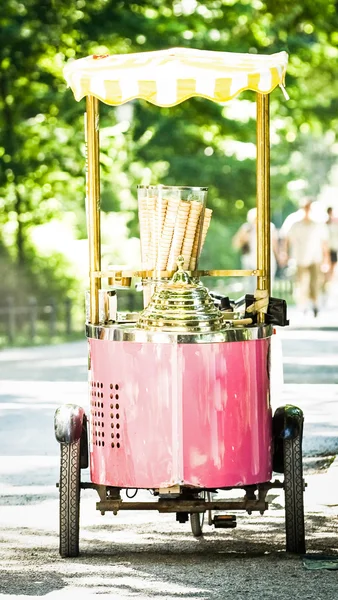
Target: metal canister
x: 107, y: 306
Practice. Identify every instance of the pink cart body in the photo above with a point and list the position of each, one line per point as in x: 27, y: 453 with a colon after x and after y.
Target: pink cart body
x: 195, y: 414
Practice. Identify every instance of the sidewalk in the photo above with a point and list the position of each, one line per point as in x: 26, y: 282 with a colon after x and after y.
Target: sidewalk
x: 322, y: 488
x: 328, y: 311
x: 327, y: 318
x: 310, y: 364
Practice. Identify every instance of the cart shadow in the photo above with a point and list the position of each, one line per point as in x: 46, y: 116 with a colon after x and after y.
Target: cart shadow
x: 252, y: 537
x: 157, y: 560
x: 148, y: 573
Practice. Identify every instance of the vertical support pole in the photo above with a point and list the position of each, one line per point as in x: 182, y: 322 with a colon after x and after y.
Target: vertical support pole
x: 263, y: 195
x: 93, y: 203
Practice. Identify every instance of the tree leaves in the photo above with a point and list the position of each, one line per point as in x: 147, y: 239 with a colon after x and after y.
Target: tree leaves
x: 42, y: 142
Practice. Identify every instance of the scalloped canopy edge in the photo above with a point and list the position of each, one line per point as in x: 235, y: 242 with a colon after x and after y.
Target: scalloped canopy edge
x: 168, y: 77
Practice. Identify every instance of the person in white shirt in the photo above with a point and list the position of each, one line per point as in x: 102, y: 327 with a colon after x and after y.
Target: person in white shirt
x: 307, y: 244
x: 245, y: 240
x: 332, y: 225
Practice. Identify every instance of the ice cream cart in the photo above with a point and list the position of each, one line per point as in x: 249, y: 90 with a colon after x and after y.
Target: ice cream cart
x: 180, y: 391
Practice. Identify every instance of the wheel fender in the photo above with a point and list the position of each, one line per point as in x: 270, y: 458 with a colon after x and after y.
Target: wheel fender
x: 287, y: 424
x: 68, y: 422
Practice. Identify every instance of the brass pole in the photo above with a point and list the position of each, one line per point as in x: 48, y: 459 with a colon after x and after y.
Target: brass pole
x: 263, y: 195
x: 93, y: 203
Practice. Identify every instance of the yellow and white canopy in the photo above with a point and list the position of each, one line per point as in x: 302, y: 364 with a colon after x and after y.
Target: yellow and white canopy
x: 168, y: 77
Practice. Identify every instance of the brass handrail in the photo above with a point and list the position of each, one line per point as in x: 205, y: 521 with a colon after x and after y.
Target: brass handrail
x: 144, y: 274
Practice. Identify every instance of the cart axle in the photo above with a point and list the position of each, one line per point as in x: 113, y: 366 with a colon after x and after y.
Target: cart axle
x: 189, y: 506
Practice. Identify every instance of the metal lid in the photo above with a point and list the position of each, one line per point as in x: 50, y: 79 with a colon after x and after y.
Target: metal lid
x: 181, y: 305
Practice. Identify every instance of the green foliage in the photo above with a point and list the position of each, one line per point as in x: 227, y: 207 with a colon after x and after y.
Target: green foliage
x: 41, y: 126
x: 46, y: 278
x: 44, y: 298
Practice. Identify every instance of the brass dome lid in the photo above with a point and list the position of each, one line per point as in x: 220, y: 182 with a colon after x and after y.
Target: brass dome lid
x: 181, y: 305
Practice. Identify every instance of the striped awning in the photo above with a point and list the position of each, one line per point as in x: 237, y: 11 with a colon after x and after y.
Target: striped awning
x: 168, y: 77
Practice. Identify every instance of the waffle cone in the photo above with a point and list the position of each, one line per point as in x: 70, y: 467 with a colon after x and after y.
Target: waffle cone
x: 151, y: 208
x: 190, y: 233
x: 178, y: 236
x: 167, y: 234
x: 144, y: 231
x: 206, y: 224
x: 194, y: 251
x: 161, y: 212
x: 200, y: 238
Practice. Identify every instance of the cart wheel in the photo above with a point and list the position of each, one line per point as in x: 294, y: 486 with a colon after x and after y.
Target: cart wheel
x: 294, y: 495
x: 197, y: 519
x: 69, y: 499
x: 196, y: 522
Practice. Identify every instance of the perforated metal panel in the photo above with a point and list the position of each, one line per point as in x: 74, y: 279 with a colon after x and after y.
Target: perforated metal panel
x: 114, y: 406
x: 97, y: 413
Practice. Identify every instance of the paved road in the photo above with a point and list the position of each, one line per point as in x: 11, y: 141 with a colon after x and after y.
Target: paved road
x: 146, y: 555
x: 310, y: 360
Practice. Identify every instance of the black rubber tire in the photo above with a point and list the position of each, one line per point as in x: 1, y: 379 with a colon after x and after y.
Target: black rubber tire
x: 196, y: 522
x: 197, y: 519
x: 69, y: 488
x: 294, y: 496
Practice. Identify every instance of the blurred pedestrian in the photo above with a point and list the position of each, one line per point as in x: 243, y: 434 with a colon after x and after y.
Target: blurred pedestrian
x: 292, y: 218
x: 332, y: 225
x: 245, y: 241
x: 307, y: 244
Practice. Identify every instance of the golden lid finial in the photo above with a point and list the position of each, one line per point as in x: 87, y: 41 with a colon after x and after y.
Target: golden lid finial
x: 181, y: 276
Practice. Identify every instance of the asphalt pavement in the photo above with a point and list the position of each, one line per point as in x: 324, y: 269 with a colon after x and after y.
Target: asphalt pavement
x: 144, y: 554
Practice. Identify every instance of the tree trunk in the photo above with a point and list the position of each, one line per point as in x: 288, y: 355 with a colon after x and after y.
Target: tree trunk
x: 20, y: 246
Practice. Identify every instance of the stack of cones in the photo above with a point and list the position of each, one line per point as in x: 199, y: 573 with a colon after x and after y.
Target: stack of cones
x: 170, y: 228
x: 167, y: 234
x: 191, y: 232
x: 179, y: 234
